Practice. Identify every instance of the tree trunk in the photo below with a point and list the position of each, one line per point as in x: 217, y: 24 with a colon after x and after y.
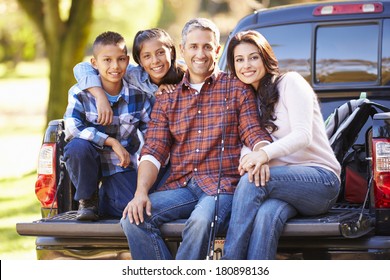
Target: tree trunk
x: 65, y: 42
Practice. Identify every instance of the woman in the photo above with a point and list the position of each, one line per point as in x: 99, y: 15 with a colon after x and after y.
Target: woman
x: 154, y: 52
x: 303, y: 173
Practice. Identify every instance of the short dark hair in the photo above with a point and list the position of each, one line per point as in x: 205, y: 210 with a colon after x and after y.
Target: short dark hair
x: 109, y: 38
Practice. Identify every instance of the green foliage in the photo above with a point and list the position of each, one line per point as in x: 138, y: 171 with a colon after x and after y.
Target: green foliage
x: 124, y: 17
x: 17, y: 204
x: 16, y: 42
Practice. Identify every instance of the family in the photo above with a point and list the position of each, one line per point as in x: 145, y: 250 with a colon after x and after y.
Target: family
x: 160, y: 140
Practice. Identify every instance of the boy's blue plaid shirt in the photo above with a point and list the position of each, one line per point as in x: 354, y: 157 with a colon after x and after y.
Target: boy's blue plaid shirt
x: 131, y: 112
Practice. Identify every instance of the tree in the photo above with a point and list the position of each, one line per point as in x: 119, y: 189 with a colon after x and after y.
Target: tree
x: 65, y: 40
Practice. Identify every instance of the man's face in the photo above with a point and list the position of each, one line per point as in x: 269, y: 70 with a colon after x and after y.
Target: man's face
x: 200, y: 54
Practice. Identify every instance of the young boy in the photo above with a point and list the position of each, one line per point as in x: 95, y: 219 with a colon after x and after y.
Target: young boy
x: 105, y: 154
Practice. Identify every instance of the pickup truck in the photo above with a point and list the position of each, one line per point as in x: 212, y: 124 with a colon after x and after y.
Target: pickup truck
x: 342, y: 49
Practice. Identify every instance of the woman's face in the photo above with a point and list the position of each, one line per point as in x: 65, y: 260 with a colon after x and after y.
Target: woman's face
x: 155, y: 58
x: 248, y: 64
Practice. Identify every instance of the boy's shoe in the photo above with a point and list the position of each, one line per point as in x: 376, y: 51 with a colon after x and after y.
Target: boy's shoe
x: 87, y: 210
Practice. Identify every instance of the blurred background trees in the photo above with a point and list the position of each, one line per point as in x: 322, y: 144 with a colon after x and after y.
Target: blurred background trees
x: 62, y: 31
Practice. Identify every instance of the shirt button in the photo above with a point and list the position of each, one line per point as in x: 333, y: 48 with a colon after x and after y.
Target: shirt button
x: 195, y: 169
x: 197, y: 150
x: 199, y: 131
x: 199, y: 111
x: 184, y: 184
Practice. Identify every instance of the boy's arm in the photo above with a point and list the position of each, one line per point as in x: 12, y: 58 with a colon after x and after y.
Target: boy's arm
x: 76, y: 124
x: 88, y: 79
x: 119, y: 150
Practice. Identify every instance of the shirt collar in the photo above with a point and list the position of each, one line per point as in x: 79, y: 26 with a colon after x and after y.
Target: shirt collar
x: 125, y: 93
x: 210, y: 79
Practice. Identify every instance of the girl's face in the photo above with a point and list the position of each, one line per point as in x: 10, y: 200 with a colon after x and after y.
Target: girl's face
x: 248, y: 64
x: 155, y: 58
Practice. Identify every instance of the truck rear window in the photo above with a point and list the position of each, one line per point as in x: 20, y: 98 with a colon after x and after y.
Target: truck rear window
x: 347, y: 53
x: 343, y: 53
x: 291, y: 44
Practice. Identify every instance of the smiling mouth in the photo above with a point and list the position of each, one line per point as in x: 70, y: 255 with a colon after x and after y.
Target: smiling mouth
x: 248, y: 74
x: 199, y: 62
x: 158, y: 68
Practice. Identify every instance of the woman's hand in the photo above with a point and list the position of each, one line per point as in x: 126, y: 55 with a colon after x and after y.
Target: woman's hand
x: 256, y: 164
x: 165, y: 88
x: 261, y: 177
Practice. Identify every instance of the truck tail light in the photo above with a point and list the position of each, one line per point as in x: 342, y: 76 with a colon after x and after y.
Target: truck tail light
x: 45, y: 186
x: 381, y: 172
x: 381, y: 165
x: 342, y: 9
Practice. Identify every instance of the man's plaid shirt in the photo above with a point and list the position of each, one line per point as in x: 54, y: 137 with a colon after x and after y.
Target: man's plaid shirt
x: 131, y: 112
x: 187, y: 126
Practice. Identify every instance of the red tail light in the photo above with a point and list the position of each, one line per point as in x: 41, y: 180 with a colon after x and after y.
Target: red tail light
x: 381, y: 165
x: 45, y: 186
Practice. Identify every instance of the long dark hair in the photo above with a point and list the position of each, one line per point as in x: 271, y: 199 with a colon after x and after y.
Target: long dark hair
x: 175, y: 72
x: 267, y: 93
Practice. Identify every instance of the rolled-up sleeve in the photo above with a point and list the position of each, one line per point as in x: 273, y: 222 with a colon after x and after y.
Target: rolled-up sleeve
x: 251, y: 132
x: 158, y: 138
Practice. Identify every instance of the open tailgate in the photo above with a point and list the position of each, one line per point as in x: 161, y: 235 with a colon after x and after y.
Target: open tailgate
x: 337, y: 222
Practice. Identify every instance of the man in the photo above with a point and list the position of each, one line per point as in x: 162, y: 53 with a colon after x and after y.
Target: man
x: 188, y: 126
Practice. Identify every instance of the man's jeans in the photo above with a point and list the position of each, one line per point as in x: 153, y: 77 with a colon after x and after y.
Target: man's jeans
x: 145, y: 241
x: 83, y: 164
x: 260, y: 213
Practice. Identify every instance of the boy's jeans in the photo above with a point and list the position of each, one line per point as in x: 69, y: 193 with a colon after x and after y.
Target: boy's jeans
x: 145, y: 241
x: 259, y: 213
x: 83, y: 165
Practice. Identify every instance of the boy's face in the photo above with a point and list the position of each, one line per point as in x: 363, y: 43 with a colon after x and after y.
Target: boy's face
x: 200, y: 54
x: 111, y: 61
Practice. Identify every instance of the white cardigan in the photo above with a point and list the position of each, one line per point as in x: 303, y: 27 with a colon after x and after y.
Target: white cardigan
x: 301, y: 138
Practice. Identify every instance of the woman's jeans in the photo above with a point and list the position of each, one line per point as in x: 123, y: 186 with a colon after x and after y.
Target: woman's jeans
x: 191, y: 203
x: 260, y: 213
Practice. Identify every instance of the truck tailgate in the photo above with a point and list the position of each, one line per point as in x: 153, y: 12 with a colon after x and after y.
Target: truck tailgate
x: 337, y: 222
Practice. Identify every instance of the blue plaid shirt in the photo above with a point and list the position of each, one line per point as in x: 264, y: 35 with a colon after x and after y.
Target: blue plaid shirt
x: 131, y: 112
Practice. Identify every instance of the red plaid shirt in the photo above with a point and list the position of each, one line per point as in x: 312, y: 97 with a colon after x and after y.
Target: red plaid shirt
x: 187, y: 126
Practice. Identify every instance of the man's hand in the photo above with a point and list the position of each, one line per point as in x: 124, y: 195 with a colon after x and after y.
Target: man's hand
x: 135, y: 208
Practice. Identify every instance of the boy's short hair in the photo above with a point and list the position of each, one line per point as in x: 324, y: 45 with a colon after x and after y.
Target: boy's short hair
x: 109, y: 38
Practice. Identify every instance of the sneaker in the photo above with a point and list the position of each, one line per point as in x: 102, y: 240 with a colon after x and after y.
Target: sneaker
x: 87, y: 210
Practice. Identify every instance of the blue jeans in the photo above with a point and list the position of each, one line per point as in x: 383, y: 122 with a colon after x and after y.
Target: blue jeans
x: 191, y: 203
x: 260, y: 213
x: 83, y: 165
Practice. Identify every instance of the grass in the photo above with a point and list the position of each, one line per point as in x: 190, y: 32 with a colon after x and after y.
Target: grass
x: 17, y: 204
x: 23, y: 99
